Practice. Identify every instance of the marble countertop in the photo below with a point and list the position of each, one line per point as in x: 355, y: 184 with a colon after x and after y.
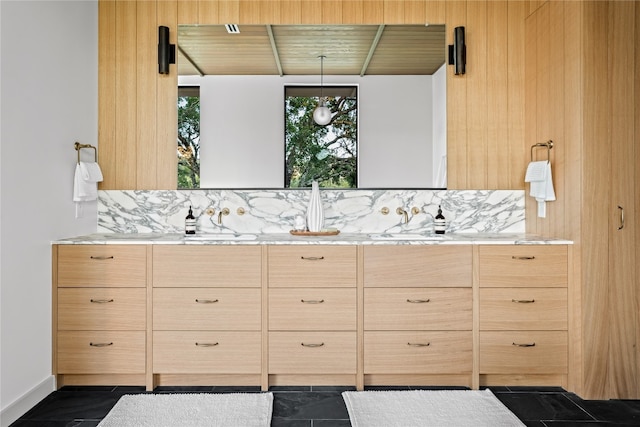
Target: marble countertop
x: 288, y: 239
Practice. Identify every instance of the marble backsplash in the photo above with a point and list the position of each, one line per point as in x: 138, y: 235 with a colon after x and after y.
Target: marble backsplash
x: 274, y: 210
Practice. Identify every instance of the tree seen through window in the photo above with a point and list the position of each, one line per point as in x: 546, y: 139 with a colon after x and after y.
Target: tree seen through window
x: 327, y: 154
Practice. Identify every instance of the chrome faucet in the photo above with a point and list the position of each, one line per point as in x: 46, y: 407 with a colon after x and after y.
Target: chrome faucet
x: 401, y: 211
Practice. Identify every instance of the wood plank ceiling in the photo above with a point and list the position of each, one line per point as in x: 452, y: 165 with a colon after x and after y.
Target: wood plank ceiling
x: 295, y: 49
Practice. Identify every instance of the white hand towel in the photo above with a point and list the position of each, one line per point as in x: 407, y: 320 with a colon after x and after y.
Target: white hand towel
x: 541, y: 184
x: 91, y: 171
x: 85, y: 184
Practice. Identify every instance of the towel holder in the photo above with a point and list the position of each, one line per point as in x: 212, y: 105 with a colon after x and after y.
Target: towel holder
x: 79, y: 147
x: 548, y: 144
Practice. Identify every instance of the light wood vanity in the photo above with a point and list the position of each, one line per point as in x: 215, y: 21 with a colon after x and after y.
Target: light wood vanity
x: 321, y: 314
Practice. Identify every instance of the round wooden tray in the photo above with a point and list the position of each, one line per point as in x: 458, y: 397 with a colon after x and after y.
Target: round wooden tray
x: 315, y: 233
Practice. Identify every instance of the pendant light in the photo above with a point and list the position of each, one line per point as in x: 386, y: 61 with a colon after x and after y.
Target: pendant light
x: 322, y: 114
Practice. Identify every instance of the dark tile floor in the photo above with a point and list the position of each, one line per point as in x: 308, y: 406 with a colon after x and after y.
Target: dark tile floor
x: 324, y: 407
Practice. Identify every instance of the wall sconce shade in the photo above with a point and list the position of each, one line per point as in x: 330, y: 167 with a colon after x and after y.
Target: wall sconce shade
x: 458, y: 51
x: 166, y: 51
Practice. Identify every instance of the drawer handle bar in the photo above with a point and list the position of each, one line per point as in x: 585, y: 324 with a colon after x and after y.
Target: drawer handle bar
x: 418, y: 344
x: 101, y: 258
x: 523, y: 258
x: 621, y: 226
x: 100, y: 344
x: 312, y: 301
x: 312, y: 258
x: 312, y: 345
x: 207, y: 344
x: 101, y: 301
x: 206, y: 301
x: 418, y: 301
x: 523, y: 301
x: 524, y: 345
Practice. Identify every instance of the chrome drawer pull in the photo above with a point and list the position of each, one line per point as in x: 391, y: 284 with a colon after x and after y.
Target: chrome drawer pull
x: 523, y: 301
x: 101, y: 301
x: 621, y: 226
x: 418, y: 301
x: 207, y: 344
x: 312, y: 345
x: 524, y: 345
x: 312, y: 258
x: 100, y: 344
x: 524, y: 258
x: 206, y: 301
x: 101, y: 257
x: 418, y: 344
x: 312, y: 301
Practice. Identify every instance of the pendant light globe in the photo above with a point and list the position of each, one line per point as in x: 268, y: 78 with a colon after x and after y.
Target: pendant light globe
x: 322, y: 114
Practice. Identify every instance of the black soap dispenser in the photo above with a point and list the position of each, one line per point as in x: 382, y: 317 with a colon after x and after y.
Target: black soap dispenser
x: 190, y: 223
x: 439, y: 224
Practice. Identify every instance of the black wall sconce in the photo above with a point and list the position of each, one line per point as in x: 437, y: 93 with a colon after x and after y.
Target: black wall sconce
x: 458, y: 51
x: 166, y: 51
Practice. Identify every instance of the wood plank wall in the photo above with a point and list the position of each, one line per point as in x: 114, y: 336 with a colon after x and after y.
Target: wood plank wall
x: 582, y: 90
x: 485, y: 107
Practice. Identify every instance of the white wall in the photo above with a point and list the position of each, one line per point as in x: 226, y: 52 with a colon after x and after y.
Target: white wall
x: 242, y: 118
x: 440, y: 127
x: 49, y: 98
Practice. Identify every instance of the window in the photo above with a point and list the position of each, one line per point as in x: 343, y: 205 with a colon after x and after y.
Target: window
x: 188, y: 137
x: 327, y: 154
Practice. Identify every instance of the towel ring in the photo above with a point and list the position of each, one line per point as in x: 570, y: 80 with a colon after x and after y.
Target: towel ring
x: 548, y: 144
x: 79, y: 147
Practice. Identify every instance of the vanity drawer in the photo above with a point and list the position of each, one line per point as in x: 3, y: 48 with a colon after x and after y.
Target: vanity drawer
x: 304, y: 309
x: 206, y: 352
x: 417, y: 309
x: 312, y: 265
x: 420, y: 352
x: 101, y: 309
x: 207, y: 309
x: 523, y: 352
x: 312, y: 352
x: 417, y: 266
x: 102, y: 265
x: 101, y: 352
x: 523, y: 309
x: 523, y: 265
x: 194, y: 266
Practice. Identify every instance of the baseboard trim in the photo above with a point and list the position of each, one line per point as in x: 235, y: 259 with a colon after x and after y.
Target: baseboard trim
x: 27, y: 401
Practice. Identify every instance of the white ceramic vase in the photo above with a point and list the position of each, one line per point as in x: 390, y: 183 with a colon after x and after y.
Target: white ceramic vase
x: 315, y: 213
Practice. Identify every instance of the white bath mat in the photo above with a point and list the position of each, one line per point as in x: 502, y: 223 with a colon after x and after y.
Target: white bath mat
x: 428, y: 408
x: 191, y: 410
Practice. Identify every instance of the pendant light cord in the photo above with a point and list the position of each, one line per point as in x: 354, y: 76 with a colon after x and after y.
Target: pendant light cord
x: 321, y: 77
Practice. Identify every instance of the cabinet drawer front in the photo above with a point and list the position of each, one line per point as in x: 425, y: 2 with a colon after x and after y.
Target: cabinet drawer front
x: 206, y: 309
x: 523, y: 265
x: 305, y: 309
x: 102, y: 265
x: 322, y: 353
x: 101, y: 352
x: 114, y: 309
x: 312, y: 265
x: 417, y: 309
x: 206, y: 352
x: 420, y: 352
x: 523, y: 352
x: 207, y: 266
x: 417, y: 266
x: 523, y: 309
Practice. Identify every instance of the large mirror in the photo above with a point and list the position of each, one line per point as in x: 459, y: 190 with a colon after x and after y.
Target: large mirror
x: 241, y: 75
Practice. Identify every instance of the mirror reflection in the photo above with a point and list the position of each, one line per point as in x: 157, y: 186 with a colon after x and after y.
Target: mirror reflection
x: 235, y: 114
